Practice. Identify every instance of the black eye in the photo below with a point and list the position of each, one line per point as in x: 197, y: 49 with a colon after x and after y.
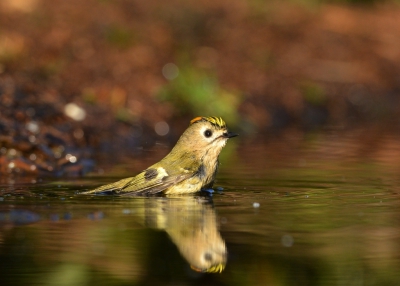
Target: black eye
x: 208, y: 256
x: 208, y: 133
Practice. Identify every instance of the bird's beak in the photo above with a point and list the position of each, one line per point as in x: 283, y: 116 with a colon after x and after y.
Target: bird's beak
x: 230, y: 134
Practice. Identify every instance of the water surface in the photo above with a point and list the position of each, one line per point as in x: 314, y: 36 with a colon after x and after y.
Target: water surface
x: 319, y: 210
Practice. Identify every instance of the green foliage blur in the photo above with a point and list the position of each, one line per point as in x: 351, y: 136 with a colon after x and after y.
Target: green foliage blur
x: 196, y: 91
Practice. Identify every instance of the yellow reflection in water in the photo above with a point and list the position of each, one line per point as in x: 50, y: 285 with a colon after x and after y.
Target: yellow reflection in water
x: 113, y: 237
x: 191, y: 223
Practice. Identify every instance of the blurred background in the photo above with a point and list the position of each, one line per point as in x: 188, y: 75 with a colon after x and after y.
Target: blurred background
x: 85, y: 79
x: 97, y: 90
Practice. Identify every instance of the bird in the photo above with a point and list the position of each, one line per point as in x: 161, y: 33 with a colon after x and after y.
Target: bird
x: 191, y: 165
x: 192, y: 224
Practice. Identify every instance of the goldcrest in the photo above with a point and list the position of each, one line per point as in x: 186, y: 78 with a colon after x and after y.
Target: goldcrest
x: 190, y: 166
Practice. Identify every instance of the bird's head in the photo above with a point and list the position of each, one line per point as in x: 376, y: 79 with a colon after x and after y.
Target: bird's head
x: 205, y: 135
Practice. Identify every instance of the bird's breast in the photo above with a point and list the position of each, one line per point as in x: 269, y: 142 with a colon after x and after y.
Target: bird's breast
x: 203, y: 177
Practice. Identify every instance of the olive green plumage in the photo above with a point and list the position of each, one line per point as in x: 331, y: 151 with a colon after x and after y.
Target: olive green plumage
x: 190, y: 166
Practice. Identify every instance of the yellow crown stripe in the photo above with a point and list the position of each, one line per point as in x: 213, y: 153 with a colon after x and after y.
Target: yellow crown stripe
x: 217, y: 121
x: 216, y: 269
x: 213, y: 269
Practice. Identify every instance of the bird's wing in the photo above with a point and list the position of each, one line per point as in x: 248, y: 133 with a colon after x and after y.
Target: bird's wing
x: 143, y: 185
x: 153, y: 180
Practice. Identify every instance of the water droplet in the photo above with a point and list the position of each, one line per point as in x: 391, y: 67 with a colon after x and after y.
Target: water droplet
x: 287, y: 240
x: 74, y: 111
x: 71, y: 158
x: 161, y: 128
x: 170, y: 71
x: 32, y: 126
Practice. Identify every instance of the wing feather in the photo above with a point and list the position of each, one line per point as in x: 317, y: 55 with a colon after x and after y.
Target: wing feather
x: 140, y: 187
x: 113, y: 187
x: 153, y: 180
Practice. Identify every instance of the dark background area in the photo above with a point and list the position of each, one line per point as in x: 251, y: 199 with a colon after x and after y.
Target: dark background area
x: 82, y: 79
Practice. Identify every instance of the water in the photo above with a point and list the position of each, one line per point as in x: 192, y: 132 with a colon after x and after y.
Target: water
x: 298, y: 210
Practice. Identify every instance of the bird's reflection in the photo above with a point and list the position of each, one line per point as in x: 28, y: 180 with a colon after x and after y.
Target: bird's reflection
x: 191, y: 223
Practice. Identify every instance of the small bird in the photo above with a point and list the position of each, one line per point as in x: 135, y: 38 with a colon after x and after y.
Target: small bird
x: 192, y: 225
x: 190, y: 166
